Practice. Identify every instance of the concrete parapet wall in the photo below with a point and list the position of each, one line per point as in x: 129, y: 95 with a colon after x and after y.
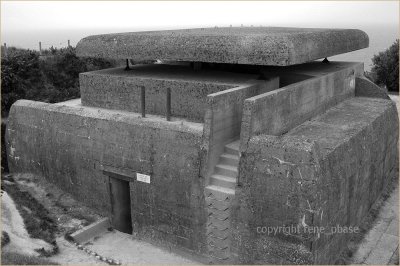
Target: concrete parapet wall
x: 323, y: 173
x: 66, y: 144
x: 121, y: 90
x: 278, y: 111
x: 223, y: 116
x: 366, y: 88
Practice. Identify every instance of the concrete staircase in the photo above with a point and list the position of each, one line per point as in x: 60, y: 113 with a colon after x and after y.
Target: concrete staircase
x: 219, y: 194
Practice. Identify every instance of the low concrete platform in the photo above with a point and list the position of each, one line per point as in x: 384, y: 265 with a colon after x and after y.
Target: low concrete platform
x: 235, y: 45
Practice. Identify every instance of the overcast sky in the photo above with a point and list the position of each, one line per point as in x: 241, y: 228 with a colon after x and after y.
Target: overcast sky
x: 25, y: 23
x: 37, y: 15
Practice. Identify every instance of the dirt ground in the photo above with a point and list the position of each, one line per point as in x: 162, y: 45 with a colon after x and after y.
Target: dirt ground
x: 13, y: 224
x: 49, y: 214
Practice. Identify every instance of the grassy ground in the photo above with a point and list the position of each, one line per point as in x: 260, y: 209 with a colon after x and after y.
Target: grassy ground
x: 49, y: 214
x: 11, y: 258
x: 4, y: 163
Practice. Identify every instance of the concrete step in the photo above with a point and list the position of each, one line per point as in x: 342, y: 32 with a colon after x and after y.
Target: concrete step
x: 216, y: 259
x: 229, y: 159
x: 217, y: 243
x: 219, y: 193
x: 223, y: 181
x: 220, y: 226
x: 233, y: 147
x: 229, y: 150
x: 226, y: 170
x: 216, y: 232
x: 217, y: 214
x: 221, y: 205
x: 220, y: 255
x: 219, y: 222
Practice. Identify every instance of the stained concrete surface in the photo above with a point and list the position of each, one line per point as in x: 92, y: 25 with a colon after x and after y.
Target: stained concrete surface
x: 238, y: 45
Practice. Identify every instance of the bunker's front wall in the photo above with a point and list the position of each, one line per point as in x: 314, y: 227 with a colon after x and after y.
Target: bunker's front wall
x: 326, y: 172
x: 67, y: 144
x: 121, y: 90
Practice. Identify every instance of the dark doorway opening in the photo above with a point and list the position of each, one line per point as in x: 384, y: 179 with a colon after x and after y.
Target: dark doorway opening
x: 120, y: 205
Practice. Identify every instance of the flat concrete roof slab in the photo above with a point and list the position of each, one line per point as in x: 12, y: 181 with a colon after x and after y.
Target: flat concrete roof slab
x: 234, y: 45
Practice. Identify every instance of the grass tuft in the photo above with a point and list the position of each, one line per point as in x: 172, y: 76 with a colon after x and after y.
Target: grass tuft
x: 11, y: 258
x: 36, y: 218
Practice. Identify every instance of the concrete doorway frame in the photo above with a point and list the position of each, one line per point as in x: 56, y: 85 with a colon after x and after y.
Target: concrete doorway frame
x: 120, y: 200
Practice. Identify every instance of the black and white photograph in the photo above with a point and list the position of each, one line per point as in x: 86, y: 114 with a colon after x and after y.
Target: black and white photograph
x: 199, y: 132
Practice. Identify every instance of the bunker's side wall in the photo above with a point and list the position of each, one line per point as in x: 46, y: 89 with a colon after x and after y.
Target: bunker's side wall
x: 71, y: 145
x: 323, y: 173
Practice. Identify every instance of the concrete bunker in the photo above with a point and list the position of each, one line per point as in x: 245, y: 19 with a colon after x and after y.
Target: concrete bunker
x: 235, y: 129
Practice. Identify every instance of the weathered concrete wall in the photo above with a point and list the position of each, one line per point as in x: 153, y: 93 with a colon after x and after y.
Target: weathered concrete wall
x: 223, y: 116
x: 325, y: 172
x: 278, y: 111
x: 66, y: 144
x: 121, y: 90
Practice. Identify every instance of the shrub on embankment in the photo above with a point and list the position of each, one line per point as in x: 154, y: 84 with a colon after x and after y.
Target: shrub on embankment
x: 4, y: 163
x: 385, y: 70
x: 53, y: 77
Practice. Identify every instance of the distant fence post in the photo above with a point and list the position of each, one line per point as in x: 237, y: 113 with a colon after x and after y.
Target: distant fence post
x: 127, y: 64
x: 5, y: 50
x: 168, y: 104
x: 40, y: 48
x: 143, y: 100
x: 69, y: 44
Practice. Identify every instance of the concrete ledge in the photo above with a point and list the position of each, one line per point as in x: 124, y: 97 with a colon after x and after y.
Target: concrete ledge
x: 90, y: 231
x: 75, y: 108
